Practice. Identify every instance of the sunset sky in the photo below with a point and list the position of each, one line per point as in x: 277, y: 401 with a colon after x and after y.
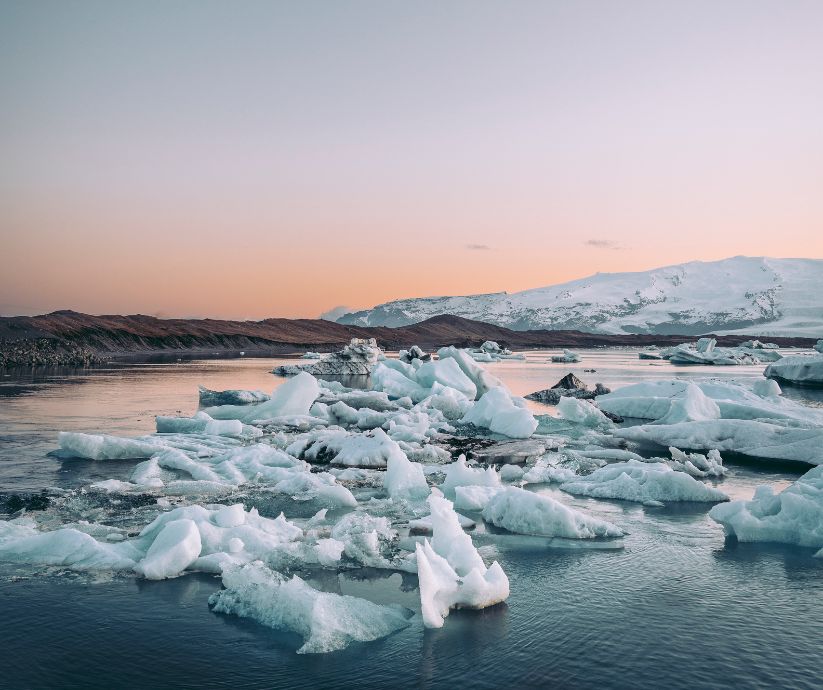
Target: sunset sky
x: 256, y: 159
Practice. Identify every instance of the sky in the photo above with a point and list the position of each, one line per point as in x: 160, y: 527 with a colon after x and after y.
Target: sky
x: 258, y: 159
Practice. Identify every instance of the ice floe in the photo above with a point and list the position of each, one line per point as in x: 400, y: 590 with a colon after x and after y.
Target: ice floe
x: 643, y: 482
x: 568, y: 357
x: 526, y: 512
x: 800, y: 369
x: 793, y: 516
x: 358, y: 358
x: 450, y: 571
x: 326, y: 621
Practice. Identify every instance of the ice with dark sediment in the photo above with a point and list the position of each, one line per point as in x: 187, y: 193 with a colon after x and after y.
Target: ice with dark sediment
x: 358, y: 358
x: 570, y: 386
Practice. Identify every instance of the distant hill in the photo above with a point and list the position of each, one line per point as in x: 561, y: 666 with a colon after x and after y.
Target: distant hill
x: 68, y: 337
x: 762, y: 296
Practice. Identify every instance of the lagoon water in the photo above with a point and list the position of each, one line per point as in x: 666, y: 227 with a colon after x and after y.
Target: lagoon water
x: 677, y: 606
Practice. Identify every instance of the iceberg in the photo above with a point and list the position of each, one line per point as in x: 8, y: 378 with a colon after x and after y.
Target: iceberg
x: 643, y: 482
x: 793, y: 516
x: 568, y: 357
x: 326, y: 621
x: 526, y: 512
x: 497, y: 412
x: 358, y: 358
x: 405, y: 479
x: 798, y: 369
x: 568, y: 387
x: 210, y: 398
x: 482, y: 379
x: 459, y: 473
x: 414, y: 352
x: 294, y: 397
x: 757, y: 439
x: 451, y: 572
x: 583, y: 412
x: 103, y: 447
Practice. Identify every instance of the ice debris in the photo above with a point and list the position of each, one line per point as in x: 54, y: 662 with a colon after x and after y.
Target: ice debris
x: 326, y: 621
x: 526, y: 512
x: 450, y: 571
x: 793, y: 516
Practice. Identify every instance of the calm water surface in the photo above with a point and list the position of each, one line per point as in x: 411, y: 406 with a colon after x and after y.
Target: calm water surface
x: 670, y: 605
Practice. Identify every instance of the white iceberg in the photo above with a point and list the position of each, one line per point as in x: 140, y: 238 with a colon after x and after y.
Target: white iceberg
x: 405, y: 479
x: 802, y: 369
x: 326, y: 621
x: 526, y: 512
x: 497, y: 411
x: 451, y: 572
x: 649, y: 483
x: 582, y: 412
x: 793, y: 516
x: 568, y: 357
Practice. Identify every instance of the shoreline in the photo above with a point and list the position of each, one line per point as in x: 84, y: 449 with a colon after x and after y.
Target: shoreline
x: 74, y: 339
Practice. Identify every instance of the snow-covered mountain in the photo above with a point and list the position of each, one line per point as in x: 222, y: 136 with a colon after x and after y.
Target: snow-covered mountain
x: 743, y: 294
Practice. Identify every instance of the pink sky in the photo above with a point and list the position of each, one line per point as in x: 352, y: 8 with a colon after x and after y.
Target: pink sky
x: 278, y: 160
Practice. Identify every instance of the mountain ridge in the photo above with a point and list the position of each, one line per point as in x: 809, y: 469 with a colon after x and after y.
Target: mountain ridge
x: 72, y: 338
x: 746, y: 295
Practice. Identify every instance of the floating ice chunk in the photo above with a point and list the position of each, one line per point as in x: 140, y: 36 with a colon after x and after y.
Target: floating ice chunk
x: 734, y: 400
x: 311, y: 355
x: 482, y: 379
x: 769, y: 440
x: 544, y: 472
x: 794, y: 516
x: 327, y: 622
x: 644, y: 483
x: 460, y: 474
x: 804, y: 369
x: 174, y: 549
x: 395, y: 383
x: 367, y: 450
x: 474, y: 497
x: 102, y: 447
x: 367, y: 539
x: 329, y: 552
x: 210, y: 398
x: 21, y: 542
x: 526, y: 512
x: 698, y: 465
x: 450, y: 571
x: 582, y: 412
x: 294, y: 397
x: 819, y: 346
x: 451, y: 403
x: 497, y: 412
x: 202, y: 423
x: 424, y: 525
x: 692, y: 405
x: 405, y: 479
x: 766, y: 388
x: 568, y: 357
x: 446, y: 372
x: 511, y: 473
x: 414, y: 352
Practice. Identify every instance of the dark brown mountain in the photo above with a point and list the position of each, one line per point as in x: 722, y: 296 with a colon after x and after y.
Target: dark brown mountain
x: 71, y: 337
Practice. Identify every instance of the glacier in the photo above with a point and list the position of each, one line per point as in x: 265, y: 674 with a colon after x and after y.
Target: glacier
x: 759, y: 295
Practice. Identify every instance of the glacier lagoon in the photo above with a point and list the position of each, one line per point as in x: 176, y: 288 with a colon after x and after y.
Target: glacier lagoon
x: 672, y: 604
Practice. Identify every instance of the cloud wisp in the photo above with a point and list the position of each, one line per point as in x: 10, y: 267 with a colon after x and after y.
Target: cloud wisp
x: 604, y: 244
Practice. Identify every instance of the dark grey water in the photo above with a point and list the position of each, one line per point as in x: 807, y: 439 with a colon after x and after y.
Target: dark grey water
x: 675, y: 607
